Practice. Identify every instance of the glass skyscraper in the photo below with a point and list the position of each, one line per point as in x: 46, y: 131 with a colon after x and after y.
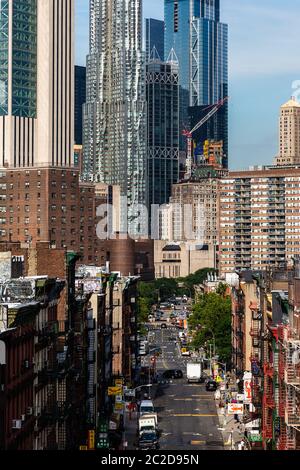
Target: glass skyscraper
x: 36, y: 83
x: 155, y: 37
x: 163, y: 128
x: 114, y: 131
x: 200, y: 41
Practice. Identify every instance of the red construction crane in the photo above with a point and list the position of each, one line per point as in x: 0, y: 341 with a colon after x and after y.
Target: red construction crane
x: 189, y: 134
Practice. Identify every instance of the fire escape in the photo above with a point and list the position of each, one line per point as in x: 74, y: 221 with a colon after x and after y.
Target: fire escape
x: 256, y: 364
x: 292, y: 381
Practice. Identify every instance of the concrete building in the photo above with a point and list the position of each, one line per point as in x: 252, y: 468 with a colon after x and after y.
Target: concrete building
x: 37, y: 86
x: 289, y: 134
x: 259, y: 218
x: 115, y: 112
x: 172, y: 260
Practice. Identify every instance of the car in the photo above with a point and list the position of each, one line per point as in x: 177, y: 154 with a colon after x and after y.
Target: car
x: 173, y: 374
x: 211, y: 386
x: 163, y: 326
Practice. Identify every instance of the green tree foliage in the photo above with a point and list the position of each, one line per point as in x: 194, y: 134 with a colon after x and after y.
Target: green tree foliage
x: 212, y: 317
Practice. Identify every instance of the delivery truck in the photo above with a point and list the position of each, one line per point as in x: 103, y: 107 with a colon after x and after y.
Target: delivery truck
x: 193, y: 372
x: 148, y: 432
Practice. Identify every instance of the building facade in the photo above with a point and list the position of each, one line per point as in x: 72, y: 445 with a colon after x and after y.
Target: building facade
x: 115, y: 111
x: 194, y: 30
x: 259, y: 218
x: 289, y: 138
x: 162, y: 82
x: 80, y: 98
x: 37, y: 83
x: 154, y: 37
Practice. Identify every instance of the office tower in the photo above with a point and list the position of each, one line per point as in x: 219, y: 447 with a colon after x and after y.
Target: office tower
x: 115, y: 112
x: 259, y: 218
x: 200, y: 41
x: 80, y: 97
x: 39, y: 186
x: 155, y: 37
x: 289, y: 134
x: 162, y: 84
x: 36, y: 83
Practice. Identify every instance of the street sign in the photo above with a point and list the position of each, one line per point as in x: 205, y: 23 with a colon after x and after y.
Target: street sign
x: 129, y: 393
x: 255, y: 438
x: 113, y: 391
x: 235, y: 409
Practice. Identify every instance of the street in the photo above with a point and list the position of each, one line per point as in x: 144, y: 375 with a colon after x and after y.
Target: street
x: 187, y: 414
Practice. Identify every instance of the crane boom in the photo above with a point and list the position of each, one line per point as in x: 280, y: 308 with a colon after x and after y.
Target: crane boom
x: 189, y: 134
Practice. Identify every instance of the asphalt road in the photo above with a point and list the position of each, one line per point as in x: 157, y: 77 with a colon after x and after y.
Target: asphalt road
x: 186, y: 412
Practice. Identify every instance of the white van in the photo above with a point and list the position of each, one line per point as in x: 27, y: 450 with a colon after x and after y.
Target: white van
x: 146, y: 407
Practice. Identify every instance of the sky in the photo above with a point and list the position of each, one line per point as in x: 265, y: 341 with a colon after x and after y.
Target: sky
x: 264, y: 67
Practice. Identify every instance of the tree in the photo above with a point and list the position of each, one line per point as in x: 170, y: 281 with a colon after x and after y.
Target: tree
x: 222, y: 289
x: 211, y: 317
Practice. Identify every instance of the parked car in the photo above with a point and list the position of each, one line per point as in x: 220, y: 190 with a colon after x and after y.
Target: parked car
x: 211, y: 386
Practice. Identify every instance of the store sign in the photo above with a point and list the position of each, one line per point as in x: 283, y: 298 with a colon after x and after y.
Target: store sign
x: 248, y: 387
x: 235, y: 409
x: 114, y: 391
x: 91, y: 440
x: 240, y: 397
x: 255, y: 438
x: 119, y: 399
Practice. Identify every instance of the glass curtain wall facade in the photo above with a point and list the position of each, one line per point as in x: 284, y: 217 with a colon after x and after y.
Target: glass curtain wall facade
x: 114, y: 134
x: 163, y: 129
x: 155, y: 37
x: 23, y: 62
x: 4, y: 37
x: 200, y: 40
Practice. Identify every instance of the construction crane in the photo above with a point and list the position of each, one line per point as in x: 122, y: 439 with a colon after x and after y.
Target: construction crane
x: 189, y: 134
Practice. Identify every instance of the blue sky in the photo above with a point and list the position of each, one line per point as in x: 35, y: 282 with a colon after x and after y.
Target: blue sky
x: 264, y: 40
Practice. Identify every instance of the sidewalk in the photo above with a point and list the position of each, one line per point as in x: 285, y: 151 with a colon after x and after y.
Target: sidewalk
x: 131, y: 426
x: 231, y: 430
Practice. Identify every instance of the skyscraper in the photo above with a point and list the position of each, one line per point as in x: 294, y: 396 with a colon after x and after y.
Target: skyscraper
x: 162, y: 81
x: 36, y: 83
x: 289, y: 134
x: 80, y: 97
x: 155, y: 37
x: 115, y: 111
x: 40, y: 187
x: 200, y: 40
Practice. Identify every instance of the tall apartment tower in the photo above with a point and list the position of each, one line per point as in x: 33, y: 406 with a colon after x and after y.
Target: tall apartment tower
x: 289, y: 134
x: 259, y: 218
x: 154, y: 37
x: 193, y: 28
x: 114, y: 137
x: 162, y: 81
x: 36, y: 83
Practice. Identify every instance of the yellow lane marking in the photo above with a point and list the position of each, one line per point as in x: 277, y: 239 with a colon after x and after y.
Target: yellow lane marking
x: 194, y: 415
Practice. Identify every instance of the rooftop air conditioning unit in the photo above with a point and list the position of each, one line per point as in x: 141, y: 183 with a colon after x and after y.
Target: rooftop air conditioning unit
x: 16, y: 424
